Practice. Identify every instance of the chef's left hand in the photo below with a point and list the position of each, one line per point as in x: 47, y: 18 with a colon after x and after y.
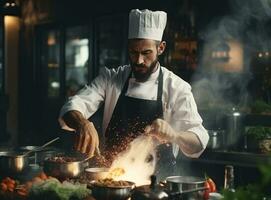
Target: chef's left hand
x: 161, y: 130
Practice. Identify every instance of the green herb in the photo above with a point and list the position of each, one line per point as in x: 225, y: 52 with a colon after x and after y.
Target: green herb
x: 259, y: 132
x: 260, y: 106
x: 54, y: 190
x: 257, y: 191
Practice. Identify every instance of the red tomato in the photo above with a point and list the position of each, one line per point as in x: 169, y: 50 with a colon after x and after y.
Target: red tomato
x: 211, y: 184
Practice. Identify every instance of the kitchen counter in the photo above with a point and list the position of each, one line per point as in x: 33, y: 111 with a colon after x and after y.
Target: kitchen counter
x: 244, y: 159
x: 246, y: 166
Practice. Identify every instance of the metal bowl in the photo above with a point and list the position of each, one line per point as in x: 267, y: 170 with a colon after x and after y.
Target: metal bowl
x: 111, y: 193
x: 96, y: 173
x: 64, y: 170
x: 12, y: 162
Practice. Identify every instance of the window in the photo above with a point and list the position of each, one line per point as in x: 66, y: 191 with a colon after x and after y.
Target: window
x: 51, y: 61
x: 1, y: 58
x: 111, y: 38
x: 76, y: 59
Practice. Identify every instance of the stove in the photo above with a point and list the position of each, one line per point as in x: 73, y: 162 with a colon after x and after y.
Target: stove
x: 145, y: 193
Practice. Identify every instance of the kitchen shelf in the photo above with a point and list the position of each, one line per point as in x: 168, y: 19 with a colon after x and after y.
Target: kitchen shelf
x: 243, y: 159
x: 258, y: 119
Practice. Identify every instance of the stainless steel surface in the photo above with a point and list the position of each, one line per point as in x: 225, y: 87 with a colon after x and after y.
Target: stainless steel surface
x: 111, y: 193
x: 216, y: 140
x: 39, y: 155
x: 235, y: 130
x: 150, y: 192
x: 65, y: 170
x: 28, y: 148
x: 183, y: 183
x: 95, y: 173
x: 13, y: 162
x: 39, y: 148
x: 161, y: 192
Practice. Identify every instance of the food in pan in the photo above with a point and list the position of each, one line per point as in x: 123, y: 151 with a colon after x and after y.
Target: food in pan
x: 108, y: 182
x: 63, y: 159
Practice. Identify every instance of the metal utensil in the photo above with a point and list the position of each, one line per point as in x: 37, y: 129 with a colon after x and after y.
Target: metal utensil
x: 41, y: 147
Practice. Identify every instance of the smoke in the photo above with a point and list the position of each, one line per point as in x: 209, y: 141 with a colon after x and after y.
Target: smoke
x: 138, y: 167
x: 246, y: 31
x: 255, y: 17
x: 260, y: 9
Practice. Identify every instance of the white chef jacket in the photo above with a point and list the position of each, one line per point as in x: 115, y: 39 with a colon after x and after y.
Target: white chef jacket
x: 179, y: 107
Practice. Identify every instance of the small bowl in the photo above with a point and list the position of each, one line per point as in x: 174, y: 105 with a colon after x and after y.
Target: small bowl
x: 96, y: 173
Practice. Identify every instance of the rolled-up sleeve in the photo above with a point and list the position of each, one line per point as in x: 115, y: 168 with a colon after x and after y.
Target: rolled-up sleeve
x: 185, y: 117
x: 88, y: 99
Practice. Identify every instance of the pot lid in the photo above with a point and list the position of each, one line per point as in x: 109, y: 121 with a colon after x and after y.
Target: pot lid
x: 153, y: 191
x: 185, y: 179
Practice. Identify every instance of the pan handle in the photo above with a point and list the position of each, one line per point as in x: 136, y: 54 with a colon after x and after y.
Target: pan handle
x: 163, y: 183
x: 174, y: 194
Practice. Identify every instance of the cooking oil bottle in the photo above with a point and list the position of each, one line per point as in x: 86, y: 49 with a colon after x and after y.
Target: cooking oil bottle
x: 229, y: 178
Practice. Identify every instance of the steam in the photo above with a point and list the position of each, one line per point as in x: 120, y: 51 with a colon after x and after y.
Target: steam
x: 245, y: 28
x: 138, y: 161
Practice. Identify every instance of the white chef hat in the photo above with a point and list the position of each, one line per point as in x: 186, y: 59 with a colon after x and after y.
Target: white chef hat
x: 147, y: 24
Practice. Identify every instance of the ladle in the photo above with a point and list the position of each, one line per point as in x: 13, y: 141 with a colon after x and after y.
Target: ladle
x: 41, y: 147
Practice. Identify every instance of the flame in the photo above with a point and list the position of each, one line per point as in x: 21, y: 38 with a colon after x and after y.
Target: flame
x: 137, y: 163
x: 115, y: 173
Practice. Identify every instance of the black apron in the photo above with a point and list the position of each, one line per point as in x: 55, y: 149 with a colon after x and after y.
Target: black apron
x: 128, y: 121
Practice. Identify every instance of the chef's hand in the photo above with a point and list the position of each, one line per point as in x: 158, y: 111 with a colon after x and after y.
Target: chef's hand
x: 161, y: 130
x: 187, y: 141
x: 87, y: 139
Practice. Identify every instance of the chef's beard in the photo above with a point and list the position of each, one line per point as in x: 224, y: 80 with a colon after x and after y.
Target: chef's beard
x: 140, y: 75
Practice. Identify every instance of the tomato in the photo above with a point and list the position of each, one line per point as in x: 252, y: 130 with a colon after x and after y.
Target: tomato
x: 210, y: 186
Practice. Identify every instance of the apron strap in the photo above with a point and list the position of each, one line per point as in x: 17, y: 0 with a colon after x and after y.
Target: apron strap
x: 159, y: 93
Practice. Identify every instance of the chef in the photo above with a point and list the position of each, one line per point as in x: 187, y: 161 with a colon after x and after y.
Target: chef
x: 139, y: 98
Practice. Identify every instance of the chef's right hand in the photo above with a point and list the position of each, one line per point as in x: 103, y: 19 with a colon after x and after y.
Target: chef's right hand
x: 87, y: 139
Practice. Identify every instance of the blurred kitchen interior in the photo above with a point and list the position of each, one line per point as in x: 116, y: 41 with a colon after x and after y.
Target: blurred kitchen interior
x: 50, y: 49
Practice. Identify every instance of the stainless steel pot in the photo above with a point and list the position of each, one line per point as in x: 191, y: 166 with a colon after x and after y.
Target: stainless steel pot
x: 12, y: 162
x: 177, y: 187
x: 216, y: 140
x: 183, y: 183
x: 111, y: 193
x: 64, y: 170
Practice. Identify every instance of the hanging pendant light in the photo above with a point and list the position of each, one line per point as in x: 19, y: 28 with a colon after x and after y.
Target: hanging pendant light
x: 11, y: 8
